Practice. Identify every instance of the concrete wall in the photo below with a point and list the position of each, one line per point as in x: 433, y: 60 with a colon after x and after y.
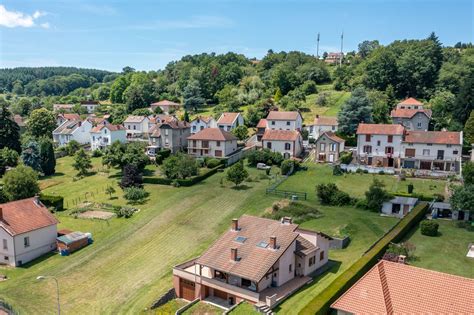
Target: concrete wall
x: 42, y: 241
x: 287, y: 259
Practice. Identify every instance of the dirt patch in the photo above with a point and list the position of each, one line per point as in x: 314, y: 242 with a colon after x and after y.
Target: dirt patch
x: 277, y: 205
x: 94, y: 214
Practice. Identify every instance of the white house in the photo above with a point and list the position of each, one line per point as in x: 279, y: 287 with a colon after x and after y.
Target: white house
x: 27, y: 231
x: 277, y: 120
x: 199, y: 123
x: 288, y: 142
x: 432, y: 150
x: 62, y: 117
x: 398, y: 206
x: 321, y: 125
x: 72, y: 130
x: 213, y: 142
x: 105, y: 134
x: 379, y: 144
x: 90, y: 106
x: 229, y: 121
x: 136, y: 126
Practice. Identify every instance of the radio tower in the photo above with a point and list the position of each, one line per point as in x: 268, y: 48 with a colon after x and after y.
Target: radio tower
x: 317, y: 48
x: 342, y: 46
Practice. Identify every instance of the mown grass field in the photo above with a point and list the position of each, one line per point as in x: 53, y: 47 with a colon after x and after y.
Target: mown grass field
x: 445, y: 252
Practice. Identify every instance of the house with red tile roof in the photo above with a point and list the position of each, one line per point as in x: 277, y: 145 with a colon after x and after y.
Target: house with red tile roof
x: 104, y: 134
x: 322, y: 124
x: 229, y: 121
x: 328, y: 147
x: 166, y: 106
x: 280, y: 120
x: 62, y: 117
x: 261, y: 127
x: 412, y: 115
x: 212, y: 142
x: 257, y: 260
x: 27, y: 231
x: 201, y: 122
x: 136, y: 126
x: 90, y: 106
x: 396, y: 288
x: 288, y: 142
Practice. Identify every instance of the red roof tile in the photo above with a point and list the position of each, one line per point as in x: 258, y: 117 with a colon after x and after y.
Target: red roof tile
x: 380, y: 129
x: 325, y: 121
x: 111, y: 127
x: 439, y: 137
x: 281, y: 135
x: 227, y: 118
x: 331, y: 135
x: 215, y: 134
x: 277, y: 115
x: 165, y: 103
x: 411, y: 101
x: 25, y: 215
x: 409, y: 113
x: 70, y: 116
x: 396, y: 288
x: 262, y: 123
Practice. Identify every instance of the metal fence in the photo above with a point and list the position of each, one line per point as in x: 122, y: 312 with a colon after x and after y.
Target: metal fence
x: 293, y: 195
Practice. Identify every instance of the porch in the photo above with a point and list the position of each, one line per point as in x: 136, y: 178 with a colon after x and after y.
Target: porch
x: 274, y: 295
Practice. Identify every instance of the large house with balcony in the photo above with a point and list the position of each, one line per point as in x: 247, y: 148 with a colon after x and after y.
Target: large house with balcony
x: 104, y: 134
x: 170, y: 134
x: 432, y: 150
x: 199, y: 123
x: 412, y: 115
x: 69, y: 130
x: 321, y: 125
x: 277, y: 120
x: 27, y: 231
x: 230, y: 121
x: 257, y: 260
x: 136, y: 126
x: 213, y: 142
x: 288, y: 142
x: 379, y: 144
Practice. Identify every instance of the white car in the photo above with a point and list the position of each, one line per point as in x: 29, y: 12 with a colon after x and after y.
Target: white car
x: 263, y: 166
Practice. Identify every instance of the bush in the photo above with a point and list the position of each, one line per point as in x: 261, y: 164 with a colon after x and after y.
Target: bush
x: 429, y: 228
x: 135, y: 194
x: 300, y: 212
x: 329, y: 194
x: 125, y: 212
x: 376, y: 195
x: 337, y: 170
x: 211, y: 163
x: 57, y: 202
x: 264, y: 156
x: 346, y: 158
x: 410, y: 188
x: 288, y: 167
x: 97, y: 153
x: 179, y: 166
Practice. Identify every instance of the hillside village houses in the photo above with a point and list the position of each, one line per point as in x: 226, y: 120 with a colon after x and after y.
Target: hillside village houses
x: 229, y: 121
x: 62, y: 117
x: 166, y: 106
x: 212, y: 142
x: 199, y: 123
x: 171, y: 134
x: 328, y: 147
x: 104, y: 134
x: 320, y: 125
x: 288, y: 142
x: 27, y: 231
x: 277, y: 120
x: 411, y: 114
x: 136, y: 126
x: 77, y: 130
x: 257, y: 260
x: 90, y: 106
x: 63, y: 108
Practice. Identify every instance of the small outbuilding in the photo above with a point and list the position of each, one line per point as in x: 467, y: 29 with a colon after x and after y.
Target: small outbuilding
x: 443, y: 210
x: 72, y: 242
x: 399, y: 206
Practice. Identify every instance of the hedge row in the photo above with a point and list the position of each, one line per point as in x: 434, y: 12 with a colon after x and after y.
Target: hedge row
x: 321, y: 304
x: 182, y: 182
x: 57, y: 202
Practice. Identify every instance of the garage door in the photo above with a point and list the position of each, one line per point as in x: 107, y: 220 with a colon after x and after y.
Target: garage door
x: 409, y: 164
x: 220, y: 294
x: 187, y: 289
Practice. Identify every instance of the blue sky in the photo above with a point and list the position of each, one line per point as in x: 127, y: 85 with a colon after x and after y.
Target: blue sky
x: 147, y: 34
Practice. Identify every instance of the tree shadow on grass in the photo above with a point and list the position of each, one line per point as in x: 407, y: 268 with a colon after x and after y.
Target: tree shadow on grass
x: 57, y: 174
x: 241, y: 187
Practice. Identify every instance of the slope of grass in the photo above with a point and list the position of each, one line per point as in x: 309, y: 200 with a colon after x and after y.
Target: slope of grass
x: 245, y: 309
x: 335, y: 101
x: 445, y: 252
x: 202, y: 308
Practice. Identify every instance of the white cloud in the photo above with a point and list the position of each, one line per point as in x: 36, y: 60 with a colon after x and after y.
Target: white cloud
x: 19, y: 19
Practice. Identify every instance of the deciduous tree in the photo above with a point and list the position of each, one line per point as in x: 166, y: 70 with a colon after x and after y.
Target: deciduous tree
x: 20, y: 183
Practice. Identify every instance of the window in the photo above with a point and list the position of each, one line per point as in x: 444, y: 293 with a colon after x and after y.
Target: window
x: 134, y: 127
x: 5, y: 244
x: 6, y: 258
x: 455, y: 152
x: 321, y: 255
x: 426, y: 152
x: 390, y: 139
x: 194, y: 128
x: 410, y: 152
x: 287, y: 123
x: 322, y: 147
x: 218, y: 143
x: 166, y: 132
x: 246, y: 282
x: 312, y: 260
x: 269, y: 145
x: 273, y: 123
x: 194, y: 143
x: 378, y: 143
x: 418, y: 125
x: 205, y: 144
x: 26, y: 242
x: 287, y: 146
x: 367, y: 138
x: 240, y: 239
x: 448, y: 145
x: 388, y: 150
x: 262, y: 244
x: 333, y: 128
x: 333, y: 147
x: 430, y: 144
x: 367, y: 149
x: 290, y: 268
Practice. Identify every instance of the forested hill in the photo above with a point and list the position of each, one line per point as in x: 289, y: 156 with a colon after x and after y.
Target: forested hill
x: 51, y: 80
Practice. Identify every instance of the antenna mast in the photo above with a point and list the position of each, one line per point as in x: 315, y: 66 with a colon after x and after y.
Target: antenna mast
x: 342, y: 46
x: 317, y: 47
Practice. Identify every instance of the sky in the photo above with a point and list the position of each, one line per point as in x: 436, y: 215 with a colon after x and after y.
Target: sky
x: 147, y: 34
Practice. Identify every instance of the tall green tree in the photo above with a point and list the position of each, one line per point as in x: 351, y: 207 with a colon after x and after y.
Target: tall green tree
x: 31, y: 156
x: 367, y: 46
x: 237, y: 173
x: 464, y: 103
x: 468, y: 173
x: 20, y: 183
x: 193, y: 96
x: 357, y: 109
x: 47, y: 158
x: 8, y: 158
x: 469, y: 129
x: 9, y: 130
x: 117, y: 89
x: 376, y: 195
x: 82, y: 162
x: 462, y: 197
x: 41, y: 123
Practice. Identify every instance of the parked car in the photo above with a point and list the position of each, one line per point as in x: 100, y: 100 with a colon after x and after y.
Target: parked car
x: 263, y: 166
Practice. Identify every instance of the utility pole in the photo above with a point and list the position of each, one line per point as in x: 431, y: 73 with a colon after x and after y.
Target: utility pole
x: 317, y: 47
x: 342, y: 46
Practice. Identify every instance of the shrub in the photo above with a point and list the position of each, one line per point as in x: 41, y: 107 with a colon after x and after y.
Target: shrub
x: 211, y: 163
x: 237, y: 173
x: 329, y: 194
x: 57, y: 202
x: 410, y: 188
x: 376, y: 195
x: 346, y: 158
x: 135, y: 194
x: 179, y: 166
x: 97, y: 153
x: 429, y: 228
x: 300, y: 212
x: 264, y: 156
x: 337, y: 170
x: 288, y: 167
x: 72, y: 147
x: 125, y: 212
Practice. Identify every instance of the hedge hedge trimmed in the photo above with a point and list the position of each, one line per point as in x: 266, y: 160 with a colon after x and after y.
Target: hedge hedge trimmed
x: 57, y: 202
x: 321, y: 304
x: 182, y: 182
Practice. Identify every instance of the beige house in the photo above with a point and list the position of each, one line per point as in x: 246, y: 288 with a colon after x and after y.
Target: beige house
x: 170, y: 134
x: 136, y: 126
x: 229, y: 121
x: 27, y: 231
x: 257, y: 260
x: 328, y: 147
x: 288, y: 142
x: 213, y: 142
x: 67, y: 108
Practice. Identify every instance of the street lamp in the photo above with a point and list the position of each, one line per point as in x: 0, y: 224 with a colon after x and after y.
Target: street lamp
x: 57, y: 288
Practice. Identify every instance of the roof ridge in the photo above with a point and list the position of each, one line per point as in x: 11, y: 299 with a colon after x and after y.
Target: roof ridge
x: 385, y: 290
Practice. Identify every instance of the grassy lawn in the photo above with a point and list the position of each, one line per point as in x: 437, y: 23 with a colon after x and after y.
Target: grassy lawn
x: 355, y: 184
x: 335, y: 101
x: 169, y: 308
x: 244, y: 309
x: 201, y: 308
x: 445, y: 252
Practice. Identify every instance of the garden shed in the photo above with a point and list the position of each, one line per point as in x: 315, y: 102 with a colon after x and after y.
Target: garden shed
x: 72, y: 242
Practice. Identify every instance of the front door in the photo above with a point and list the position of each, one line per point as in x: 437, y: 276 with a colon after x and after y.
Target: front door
x: 369, y: 160
x: 331, y: 157
x: 390, y: 162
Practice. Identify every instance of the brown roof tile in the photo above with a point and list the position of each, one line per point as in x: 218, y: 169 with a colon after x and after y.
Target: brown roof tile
x: 281, y: 135
x: 262, y: 123
x: 25, y: 215
x: 411, y: 101
x: 325, y: 121
x: 380, y: 129
x: 409, y: 113
x: 396, y: 288
x: 216, y: 134
x: 227, y: 118
x: 111, y: 127
x: 134, y: 119
x: 165, y: 103
x: 439, y: 137
x: 277, y: 115
x: 332, y: 136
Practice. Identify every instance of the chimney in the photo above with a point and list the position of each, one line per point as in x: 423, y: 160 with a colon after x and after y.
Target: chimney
x: 273, y: 242
x: 37, y: 200
x: 233, y: 254
x: 1, y: 214
x: 286, y: 220
x: 317, y: 115
x: 235, y: 224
